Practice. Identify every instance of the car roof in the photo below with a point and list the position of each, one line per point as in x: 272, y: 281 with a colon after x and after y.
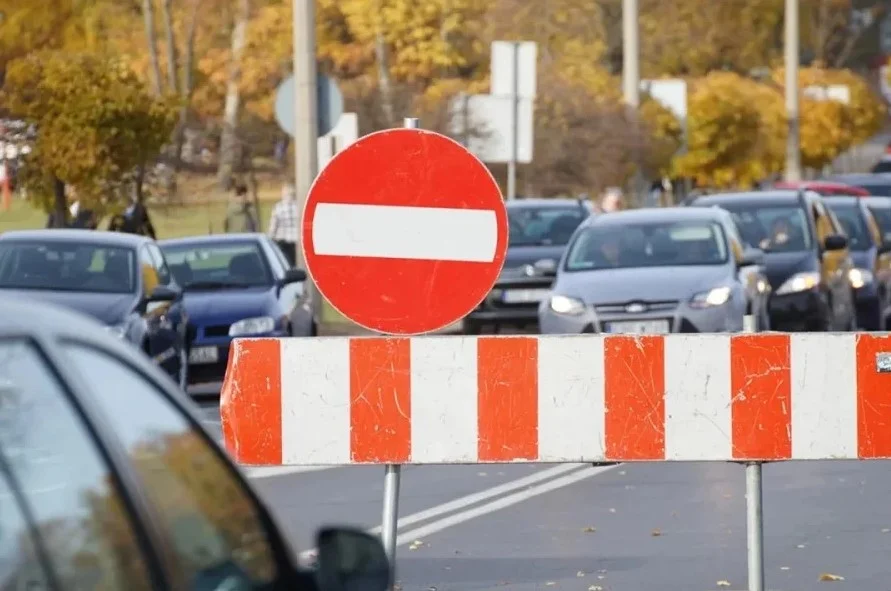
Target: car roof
x: 659, y: 214
x: 214, y: 238
x: 104, y: 238
x: 825, y: 188
x: 777, y: 196
x: 531, y: 202
x: 879, y: 200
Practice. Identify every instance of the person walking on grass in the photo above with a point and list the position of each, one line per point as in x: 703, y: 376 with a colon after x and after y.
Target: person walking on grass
x: 283, y: 224
x: 242, y: 215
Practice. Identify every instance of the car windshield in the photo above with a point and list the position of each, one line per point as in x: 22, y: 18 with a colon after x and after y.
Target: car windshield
x: 883, y: 218
x: 851, y: 218
x: 774, y: 228
x: 218, y: 265
x: 649, y: 244
x: 67, y: 266
x: 543, y: 226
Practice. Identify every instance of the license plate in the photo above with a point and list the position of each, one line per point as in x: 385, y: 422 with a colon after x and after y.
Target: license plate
x: 524, y: 296
x: 201, y: 355
x: 639, y: 327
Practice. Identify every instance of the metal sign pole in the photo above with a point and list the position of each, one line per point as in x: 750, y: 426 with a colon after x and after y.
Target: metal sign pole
x: 515, y: 125
x: 754, y: 508
x: 393, y: 474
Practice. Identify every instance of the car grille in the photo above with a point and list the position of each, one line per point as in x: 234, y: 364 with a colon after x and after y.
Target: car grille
x: 619, y: 308
x: 219, y: 330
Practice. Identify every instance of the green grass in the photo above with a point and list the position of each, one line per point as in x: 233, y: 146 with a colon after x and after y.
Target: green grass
x: 172, y: 222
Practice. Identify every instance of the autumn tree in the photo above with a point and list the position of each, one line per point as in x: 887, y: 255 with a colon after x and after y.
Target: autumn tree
x: 97, y: 126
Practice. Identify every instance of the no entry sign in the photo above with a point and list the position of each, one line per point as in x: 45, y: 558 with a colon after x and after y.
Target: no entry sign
x: 404, y: 232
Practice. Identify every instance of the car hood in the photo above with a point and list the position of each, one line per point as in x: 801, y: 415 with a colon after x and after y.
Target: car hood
x: 517, y: 256
x: 108, y: 308
x: 862, y: 259
x: 779, y: 266
x: 229, y: 305
x: 608, y: 286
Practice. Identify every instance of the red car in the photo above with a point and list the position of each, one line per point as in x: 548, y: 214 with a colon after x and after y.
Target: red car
x: 823, y: 188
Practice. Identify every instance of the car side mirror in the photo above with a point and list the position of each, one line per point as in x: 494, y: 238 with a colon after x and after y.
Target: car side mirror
x: 835, y: 242
x: 351, y: 559
x: 751, y: 257
x: 293, y: 276
x: 547, y: 267
x: 162, y: 293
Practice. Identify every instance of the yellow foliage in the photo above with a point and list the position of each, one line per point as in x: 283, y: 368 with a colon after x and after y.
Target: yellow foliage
x: 665, y: 132
x: 731, y: 133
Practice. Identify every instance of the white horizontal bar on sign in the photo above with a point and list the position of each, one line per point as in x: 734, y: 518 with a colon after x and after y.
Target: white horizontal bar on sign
x: 398, y: 232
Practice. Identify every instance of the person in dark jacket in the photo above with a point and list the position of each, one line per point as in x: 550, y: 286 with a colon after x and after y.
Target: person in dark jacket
x: 136, y: 220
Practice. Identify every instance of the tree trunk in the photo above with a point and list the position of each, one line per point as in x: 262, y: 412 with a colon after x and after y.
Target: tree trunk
x: 148, y: 13
x: 60, y: 205
x: 187, y: 85
x: 228, y: 140
x: 172, y: 62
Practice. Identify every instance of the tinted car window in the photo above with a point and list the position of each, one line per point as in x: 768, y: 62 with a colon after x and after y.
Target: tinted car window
x: 20, y: 567
x: 66, y: 266
x: 653, y: 244
x: 883, y: 218
x: 215, y: 528
x: 778, y: 228
x: 541, y: 226
x: 75, y: 502
x: 852, y: 222
x: 221, y: 264
x: 160, y: 264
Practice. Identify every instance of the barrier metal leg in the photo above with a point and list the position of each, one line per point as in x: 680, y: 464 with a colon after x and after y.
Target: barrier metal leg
x: 754, y: 527
x: 392, y: 477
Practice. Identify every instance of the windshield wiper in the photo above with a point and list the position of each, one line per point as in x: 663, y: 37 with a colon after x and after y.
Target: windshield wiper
x: 213, y: 285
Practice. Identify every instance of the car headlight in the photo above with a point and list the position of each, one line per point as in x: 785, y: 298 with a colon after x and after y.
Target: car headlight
x: 117, y: 330
x: 799, y: 282
x: 714, y: 297
x: 248, y: 326
x: 860, y: 277
x: 567, y: 305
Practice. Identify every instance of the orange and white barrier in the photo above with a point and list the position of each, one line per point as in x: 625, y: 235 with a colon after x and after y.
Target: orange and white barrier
x: 587, y: 398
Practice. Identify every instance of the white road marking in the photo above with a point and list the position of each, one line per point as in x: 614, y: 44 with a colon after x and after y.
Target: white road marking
x: 538, y: 483
x: 398, y: 232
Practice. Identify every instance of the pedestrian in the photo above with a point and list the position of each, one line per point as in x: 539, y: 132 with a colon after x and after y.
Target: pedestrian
x: 242, y: 215
x: 612, y: 200
x: 83, y: 217
x: 136, y: 220
x: 283, y: 224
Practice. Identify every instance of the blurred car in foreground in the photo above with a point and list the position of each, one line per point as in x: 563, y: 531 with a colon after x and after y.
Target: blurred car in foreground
x: 131, y: 493
x: 236, y: 285
x: 655, y: 271
x: 806, y: 256
x: 120, y: 279
x: 871, y: 254
x: 875, y: 183
x: 539, y: 232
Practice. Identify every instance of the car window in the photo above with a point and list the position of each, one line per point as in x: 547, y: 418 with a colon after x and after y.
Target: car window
x: 160, y: 265
x: 282, y: 259
x: 67, y: 266
x: 214, y: 525
x: 771, y: 227
x: 220, y: 264
x: 651, y: 244
x: 20, y: 567
x: 150, y: 278
x: 543, y: 226
x: 883, y: 219
x: 850, y: 216
x: 73, y: 498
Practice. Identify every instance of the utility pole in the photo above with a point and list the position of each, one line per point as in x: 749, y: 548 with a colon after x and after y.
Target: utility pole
x: 631, y: 71
x: 792, y: 49
x: 305, y: 109
x: 514, y: 125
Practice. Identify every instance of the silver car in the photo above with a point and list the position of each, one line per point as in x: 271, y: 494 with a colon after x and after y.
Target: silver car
x: 657, y: 271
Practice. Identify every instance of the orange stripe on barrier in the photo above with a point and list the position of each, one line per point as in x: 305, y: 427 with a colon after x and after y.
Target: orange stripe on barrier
x: 634, y: 397
x: 252, y: 420
x: 873, y: 398
x: 761, y: 390
x: 380, y: 400
x: 507, y: 374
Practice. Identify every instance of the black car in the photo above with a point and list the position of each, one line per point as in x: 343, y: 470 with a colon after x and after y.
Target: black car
x: 878, y: 183
x: 870, y: 277
x: 120, y: 279
x: 806, y: 256
x: 108, y: 480
x: 539, y: 230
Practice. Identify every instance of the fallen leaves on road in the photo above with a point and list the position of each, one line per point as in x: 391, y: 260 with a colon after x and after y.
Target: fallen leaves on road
x: 612, y: 510
x: 595, y: 588
x: 656, y: 532
x: 589, y: 529
x: 723, y: 583
x: 825, y: 577
x: 885, y: 530
x: 580, y: 574
x: 800, y: 546
x: 550, y: 584
x: 415, y: 545
x: 784, y: 568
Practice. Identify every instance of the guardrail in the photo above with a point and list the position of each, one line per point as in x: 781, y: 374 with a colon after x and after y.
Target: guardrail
x: 391, y: 401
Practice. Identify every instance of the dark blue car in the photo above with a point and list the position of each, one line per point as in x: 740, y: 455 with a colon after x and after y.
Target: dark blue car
x: 236, y: 285
x: 120, y: 279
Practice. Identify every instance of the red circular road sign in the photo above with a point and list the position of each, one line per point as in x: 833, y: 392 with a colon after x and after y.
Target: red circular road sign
x: 404, y: 231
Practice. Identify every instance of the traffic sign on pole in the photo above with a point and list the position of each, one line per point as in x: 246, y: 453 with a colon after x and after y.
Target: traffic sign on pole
x: 329, y: 105
x: 404, y: 232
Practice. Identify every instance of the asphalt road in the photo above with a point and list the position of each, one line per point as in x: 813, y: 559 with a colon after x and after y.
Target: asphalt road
x: 671, y: 527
